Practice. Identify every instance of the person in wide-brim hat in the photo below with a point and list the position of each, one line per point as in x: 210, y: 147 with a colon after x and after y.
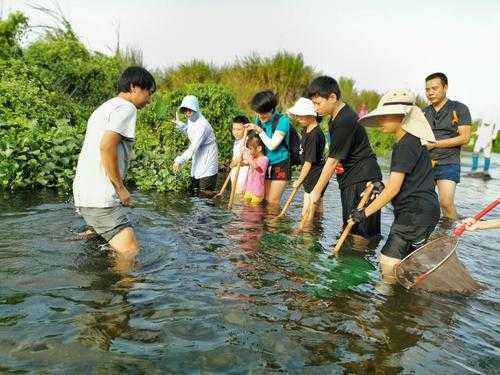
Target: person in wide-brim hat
x: 410, y: 186
x: 401, y: 102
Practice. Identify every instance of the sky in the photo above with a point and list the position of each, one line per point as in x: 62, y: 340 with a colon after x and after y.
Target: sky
x: 381, y: 44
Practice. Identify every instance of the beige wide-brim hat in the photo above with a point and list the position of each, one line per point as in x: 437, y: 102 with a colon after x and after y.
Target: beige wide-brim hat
x: 401, y: 102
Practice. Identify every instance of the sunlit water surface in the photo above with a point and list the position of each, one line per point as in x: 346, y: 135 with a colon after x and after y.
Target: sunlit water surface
x: 218, y: 291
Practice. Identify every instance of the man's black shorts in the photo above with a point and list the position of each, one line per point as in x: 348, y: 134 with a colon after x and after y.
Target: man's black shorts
x: 350, y: 197
x: 405, y: 239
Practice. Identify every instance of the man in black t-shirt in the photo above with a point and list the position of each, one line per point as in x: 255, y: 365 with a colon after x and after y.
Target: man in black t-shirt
x: 349, y: 145
x: 410, y: 186
x: 451, y: 123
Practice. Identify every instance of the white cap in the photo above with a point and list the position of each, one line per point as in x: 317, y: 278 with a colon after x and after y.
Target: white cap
x: 303, y: 107
x: 190, y: 102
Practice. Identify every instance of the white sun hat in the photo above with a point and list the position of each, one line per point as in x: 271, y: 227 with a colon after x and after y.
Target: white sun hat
x: 416, y: 124
x: 190, y: 102
x: 401, y: 102
x: 303, y: 107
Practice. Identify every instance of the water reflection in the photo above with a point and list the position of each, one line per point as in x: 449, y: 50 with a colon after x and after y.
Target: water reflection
x: 108, y: 315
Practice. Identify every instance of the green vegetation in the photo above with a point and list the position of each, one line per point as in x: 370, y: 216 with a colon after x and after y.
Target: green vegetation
x: 47, y: 92
x: 49, y: 88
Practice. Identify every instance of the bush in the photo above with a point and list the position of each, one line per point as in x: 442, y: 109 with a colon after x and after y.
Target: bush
x: 381, y: 142
x: 284, y: 73
x: 195, y: 71
x: 11, y: 31
x: 31, y: 157
x: 64, y: 65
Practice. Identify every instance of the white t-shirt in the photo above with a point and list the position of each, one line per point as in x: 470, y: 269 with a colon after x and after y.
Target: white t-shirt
x: 242, y: 175
x: 91, y: 186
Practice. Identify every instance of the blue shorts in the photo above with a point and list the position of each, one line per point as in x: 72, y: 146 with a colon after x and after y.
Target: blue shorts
x: 447, y: 172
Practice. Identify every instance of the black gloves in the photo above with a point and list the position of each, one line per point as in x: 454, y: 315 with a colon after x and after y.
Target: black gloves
x: 378, y: 186
x: 358, y: 215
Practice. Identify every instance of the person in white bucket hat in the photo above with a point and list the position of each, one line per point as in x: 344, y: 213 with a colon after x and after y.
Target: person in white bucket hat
x: 410, y: 186
x: 202, y: 148
x: 312, y: 147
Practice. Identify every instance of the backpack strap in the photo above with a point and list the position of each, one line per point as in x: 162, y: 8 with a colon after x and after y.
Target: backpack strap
x: 276, y: 119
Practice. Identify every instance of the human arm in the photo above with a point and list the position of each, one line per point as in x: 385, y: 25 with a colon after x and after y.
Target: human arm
x: 306, y: 168
x: 326, y: 174
x: 463, y: 138
x: 109, y: 157
x: 272, y: 143
x: 392, y: 188
x: 235, y: 161
x: 196, y: 142
x: 473, y: 224
x: 179, y: 125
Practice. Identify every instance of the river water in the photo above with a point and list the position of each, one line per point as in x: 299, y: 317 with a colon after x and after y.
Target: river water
x: 235, y: 292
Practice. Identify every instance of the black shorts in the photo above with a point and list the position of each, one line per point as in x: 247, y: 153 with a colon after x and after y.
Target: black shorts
x: 203, y: 184
x: 350, y: 197
x: 449, y: 172
x: 279, y: 172
x: 405, y: 239
x: 312, y: 178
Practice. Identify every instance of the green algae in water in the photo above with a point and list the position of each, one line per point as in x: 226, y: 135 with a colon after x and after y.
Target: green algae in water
x: 342, y: 274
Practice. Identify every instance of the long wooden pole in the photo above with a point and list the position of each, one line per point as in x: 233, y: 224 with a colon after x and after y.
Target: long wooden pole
x: 366, y: 196
x: 223, y: 189
x: 233, y: 186
x: 289, y: 201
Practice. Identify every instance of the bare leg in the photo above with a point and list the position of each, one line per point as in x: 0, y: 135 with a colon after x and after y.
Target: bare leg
x: 274, y: 191
x: 387, y: 268
x: 307, y: 201
x: 446, y: 191
x: 126, y: 248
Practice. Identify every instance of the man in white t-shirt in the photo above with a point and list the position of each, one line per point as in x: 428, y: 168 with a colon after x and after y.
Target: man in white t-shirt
x: 98, y: 189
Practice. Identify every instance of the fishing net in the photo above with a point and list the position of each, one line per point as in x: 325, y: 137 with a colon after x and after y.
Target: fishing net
x: 435, y: 267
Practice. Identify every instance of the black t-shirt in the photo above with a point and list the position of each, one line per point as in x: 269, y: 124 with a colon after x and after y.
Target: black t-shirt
x: 312, y: 147
x: 349, y: 144
x: 444, y: 124
x: 417, y: 202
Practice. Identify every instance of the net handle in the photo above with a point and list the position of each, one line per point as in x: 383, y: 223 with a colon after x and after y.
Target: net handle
x: 460, y: 229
